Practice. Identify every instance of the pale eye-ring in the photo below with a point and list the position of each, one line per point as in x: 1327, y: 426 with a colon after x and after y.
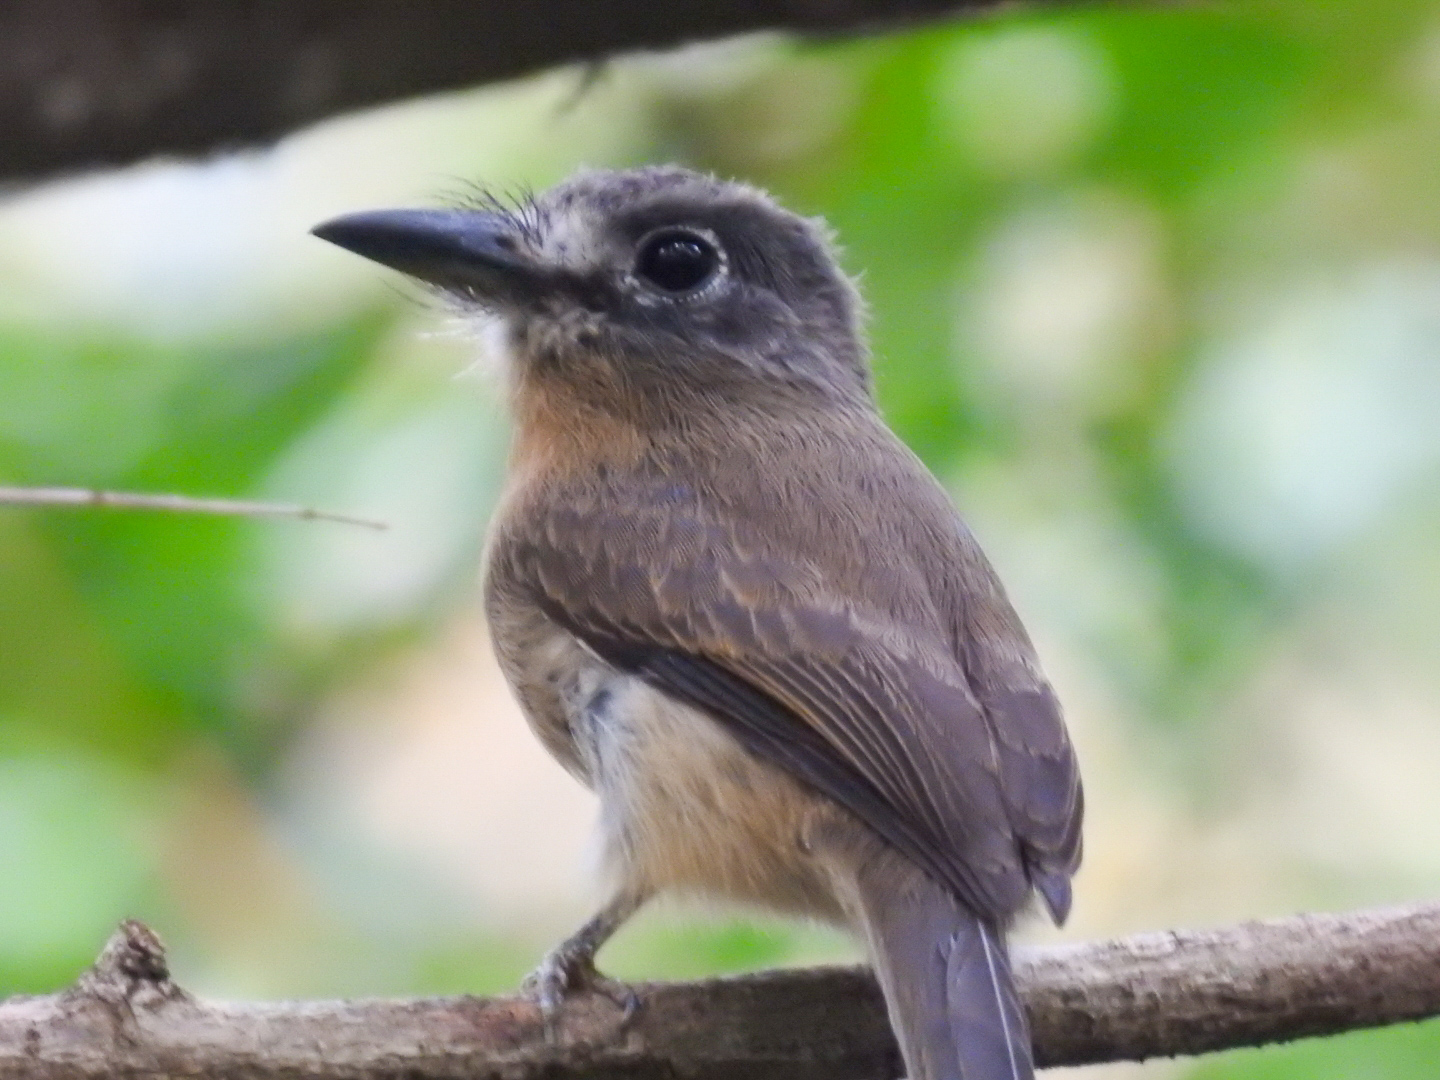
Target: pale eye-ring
x: 677, y: 261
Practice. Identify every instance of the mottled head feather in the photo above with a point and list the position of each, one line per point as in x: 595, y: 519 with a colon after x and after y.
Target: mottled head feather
x: 782, y: 310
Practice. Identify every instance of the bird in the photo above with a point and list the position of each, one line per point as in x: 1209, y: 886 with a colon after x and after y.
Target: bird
x: 735, y: 605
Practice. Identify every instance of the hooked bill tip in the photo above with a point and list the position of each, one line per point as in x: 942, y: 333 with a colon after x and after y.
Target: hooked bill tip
x: 378, y: 233
x: 451, y: 248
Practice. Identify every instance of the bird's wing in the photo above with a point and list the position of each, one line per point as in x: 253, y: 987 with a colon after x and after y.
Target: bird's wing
x: 883, y: 722
x: 1040, y: 778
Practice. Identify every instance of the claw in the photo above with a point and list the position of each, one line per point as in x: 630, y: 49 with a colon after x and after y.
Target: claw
x: 569, y: 968
x: 564, y: 973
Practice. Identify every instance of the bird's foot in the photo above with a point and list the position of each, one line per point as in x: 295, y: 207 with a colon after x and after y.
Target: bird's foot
x: 567, y: 970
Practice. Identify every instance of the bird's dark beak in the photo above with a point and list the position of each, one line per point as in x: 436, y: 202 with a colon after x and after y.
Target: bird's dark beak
x: 475, y: 254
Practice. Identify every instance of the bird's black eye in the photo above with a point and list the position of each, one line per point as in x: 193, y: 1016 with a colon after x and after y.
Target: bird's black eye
x: 676, y: 260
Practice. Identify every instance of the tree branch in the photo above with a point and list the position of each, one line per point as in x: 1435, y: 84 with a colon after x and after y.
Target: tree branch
x: 180, y: 504
x: 1129, y: 999
x: 86, y: 83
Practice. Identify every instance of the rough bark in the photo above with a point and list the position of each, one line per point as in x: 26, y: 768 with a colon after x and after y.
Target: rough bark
x: 86, y: 83
x: 1129, y: 999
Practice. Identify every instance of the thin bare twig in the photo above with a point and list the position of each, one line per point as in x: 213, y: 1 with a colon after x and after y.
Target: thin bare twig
x: 1182, y: 992
x: 182, y: 504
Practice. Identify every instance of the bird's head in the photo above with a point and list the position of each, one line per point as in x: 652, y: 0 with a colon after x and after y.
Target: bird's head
x: 653, y: 277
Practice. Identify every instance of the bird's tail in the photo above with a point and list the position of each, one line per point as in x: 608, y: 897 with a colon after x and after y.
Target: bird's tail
x: 947, y: 981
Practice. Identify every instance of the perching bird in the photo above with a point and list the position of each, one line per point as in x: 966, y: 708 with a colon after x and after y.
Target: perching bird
x: 734, y: 604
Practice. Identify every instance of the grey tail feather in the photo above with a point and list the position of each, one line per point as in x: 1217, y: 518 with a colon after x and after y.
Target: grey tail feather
x: 986, y: 1016
x: 947, y: 982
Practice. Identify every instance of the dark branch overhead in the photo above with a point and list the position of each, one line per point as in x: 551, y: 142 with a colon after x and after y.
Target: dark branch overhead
x: 90, y: 83
x: 1154, y: 995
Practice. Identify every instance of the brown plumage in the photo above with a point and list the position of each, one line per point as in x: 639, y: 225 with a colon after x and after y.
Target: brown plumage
x: 734, y: 604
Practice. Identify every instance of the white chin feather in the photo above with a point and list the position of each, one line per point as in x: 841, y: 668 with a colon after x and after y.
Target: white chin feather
x: 490, y: 337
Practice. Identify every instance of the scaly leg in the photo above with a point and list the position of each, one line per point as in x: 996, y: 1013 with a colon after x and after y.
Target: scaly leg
x: 570, y: 967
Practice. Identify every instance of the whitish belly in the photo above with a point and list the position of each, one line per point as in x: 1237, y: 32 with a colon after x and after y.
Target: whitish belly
x: 684, y: 807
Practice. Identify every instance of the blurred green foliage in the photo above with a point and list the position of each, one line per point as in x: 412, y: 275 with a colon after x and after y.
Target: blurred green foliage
x: 1205, y: 160
x: 1402, y: 1053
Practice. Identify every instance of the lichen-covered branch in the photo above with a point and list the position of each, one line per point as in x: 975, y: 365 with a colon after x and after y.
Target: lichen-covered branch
x: 1152, y: 995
